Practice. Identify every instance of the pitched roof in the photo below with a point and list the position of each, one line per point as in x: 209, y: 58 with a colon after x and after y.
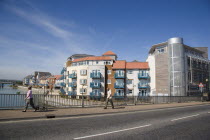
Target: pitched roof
x: 44, y: 78
x: 109, y: 53
x: 120, y: 64
x: 93, y: 58
x: 58, y: 76
x: 137, y: 65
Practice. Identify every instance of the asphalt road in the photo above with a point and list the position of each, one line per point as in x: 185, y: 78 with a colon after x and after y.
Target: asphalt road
x: 185, y: 123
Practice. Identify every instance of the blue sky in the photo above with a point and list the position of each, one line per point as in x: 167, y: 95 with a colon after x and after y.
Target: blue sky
x: 39, y: 35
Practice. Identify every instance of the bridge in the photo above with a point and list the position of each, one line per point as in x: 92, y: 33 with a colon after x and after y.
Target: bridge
x: 5, y: 81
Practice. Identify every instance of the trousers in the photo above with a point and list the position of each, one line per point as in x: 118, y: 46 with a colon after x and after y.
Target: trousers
x: 29, y: 101
x: 109, y: 100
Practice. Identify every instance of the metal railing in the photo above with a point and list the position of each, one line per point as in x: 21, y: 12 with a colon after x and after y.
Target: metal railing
x: 10, y: 101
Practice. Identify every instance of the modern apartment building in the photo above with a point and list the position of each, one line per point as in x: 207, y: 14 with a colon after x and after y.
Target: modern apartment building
x: 92, y: 75
x: 177, y: 69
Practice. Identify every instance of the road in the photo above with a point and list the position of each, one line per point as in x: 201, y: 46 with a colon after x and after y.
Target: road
x: 187, y: 123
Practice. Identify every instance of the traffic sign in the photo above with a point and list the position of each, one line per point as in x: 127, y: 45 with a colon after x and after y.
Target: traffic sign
x: 200, y: 85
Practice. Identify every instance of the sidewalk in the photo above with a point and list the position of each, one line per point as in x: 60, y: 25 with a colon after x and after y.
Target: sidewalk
x: 6, y: 115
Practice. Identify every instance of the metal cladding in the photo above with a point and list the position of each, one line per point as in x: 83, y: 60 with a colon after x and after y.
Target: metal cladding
x: 176, y: 67
x: 175, y: 40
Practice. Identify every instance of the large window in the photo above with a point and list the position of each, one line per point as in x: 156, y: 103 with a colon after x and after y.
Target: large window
x: 108, y: 81
x: 83, y: 72
x: 83, y: 81
x: 109, y: 72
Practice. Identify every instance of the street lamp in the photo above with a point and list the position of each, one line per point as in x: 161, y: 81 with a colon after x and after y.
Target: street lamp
x: 83, y: 96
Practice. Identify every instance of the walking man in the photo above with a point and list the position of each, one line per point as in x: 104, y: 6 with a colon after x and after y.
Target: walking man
x: 109, y: 99
x: 29, y: 100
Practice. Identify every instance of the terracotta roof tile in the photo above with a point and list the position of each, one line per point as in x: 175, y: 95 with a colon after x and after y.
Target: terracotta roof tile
x: 109, y: 53
x: 93, y: 58
x: 137, y: 65
x: 58, y: 76
x: 120, y: 64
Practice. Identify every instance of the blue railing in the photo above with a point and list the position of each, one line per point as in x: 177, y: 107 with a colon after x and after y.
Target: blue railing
x: 63, y: 84
x: 118, y: 85
x: 72, y: 93
x: 143, y: 86
x: 95, y: 95
x: 95, y: 75
x: 118, y: 95
x: 117, y: 75
x: 95, y: 85
x: 72, y: 84
x: 145, y: 76
x: 63, y: 70
x: 63, y: 91
x: 73, y: 75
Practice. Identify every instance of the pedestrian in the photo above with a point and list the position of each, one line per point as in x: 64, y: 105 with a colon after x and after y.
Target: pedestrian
x: 29, y: 100
x: 109, y: 99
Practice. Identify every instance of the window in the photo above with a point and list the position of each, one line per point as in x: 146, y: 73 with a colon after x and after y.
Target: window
x: 87, y: 62
x: 83, y: 81
x: 83, y: 72
x: 108, y: 81
x: 130, y: 91
x: 130, y: 81
x: 83, y: 90
x: 96, y: 62
x: 130, y: 72
x: 109, y: 72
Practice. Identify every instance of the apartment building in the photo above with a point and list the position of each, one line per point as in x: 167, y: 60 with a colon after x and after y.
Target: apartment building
x: 92, y: 75
x: 177, y: 69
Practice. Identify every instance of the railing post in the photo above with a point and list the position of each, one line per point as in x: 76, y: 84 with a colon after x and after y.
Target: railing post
x: 82, y: 101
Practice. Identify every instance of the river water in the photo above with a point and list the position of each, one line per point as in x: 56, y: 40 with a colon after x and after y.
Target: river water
x: 10, y: 98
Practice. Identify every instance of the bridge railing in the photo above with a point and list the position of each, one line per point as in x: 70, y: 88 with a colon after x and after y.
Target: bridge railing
x: 11, y: 101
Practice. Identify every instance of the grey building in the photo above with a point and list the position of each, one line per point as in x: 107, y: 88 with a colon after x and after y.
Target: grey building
x: 177, y: 69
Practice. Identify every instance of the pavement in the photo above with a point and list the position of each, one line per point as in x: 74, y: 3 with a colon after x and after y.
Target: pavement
x: 6, y: 115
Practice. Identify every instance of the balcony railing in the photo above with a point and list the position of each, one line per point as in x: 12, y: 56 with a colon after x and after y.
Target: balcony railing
x: 95, y: 85
x: 63, y: 70
x: 118, y: 95
x: 72, y: 93
x: 73, y: 75
x: 117, y: 75
x: 118, y: 85
x: 95, y: 95
x: 72, y: 84
x: 145, y: 76
x: 143, y: 86
x: 95, y: 75
x: 63, y: 84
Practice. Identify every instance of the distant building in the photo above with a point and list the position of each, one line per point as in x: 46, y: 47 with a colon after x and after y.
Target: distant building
x: 28, y: 80
x: 38, y: 75
x: 59, y: 80
x: 43, y: 81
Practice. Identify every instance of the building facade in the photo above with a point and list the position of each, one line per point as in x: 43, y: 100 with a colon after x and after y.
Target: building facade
x: 92, y: 76
x: 177, y: 69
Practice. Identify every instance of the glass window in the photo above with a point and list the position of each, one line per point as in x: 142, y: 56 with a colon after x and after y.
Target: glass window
x: 108, y: 81
x: 130, y: 72
x: 83, y: 81
x: 109, y: 72
x: 130, y: 81
x: 130, y: 91
x: 83, y: 72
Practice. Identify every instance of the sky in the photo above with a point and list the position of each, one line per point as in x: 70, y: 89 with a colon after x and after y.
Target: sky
x: 39, y: 35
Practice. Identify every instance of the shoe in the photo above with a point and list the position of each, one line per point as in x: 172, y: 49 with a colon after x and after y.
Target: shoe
x: 24, y: 111
x: 112, y: 107
x: 105, y: 108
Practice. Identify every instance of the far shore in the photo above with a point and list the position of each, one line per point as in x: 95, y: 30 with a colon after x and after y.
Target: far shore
x: 41, y: 90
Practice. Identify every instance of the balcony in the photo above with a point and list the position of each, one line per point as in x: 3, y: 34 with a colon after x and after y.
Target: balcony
x: 73, y: 75
x: 95, y: 95
x: 118, y: 95
x: 63, y: 70
x: 95, y: 75
x: 145, y: 76
x: 72, y: 93
x: 73, y: 84
x: 63, y: 84
x: 119, y: 76
x: 95, y: 85
x: 118, y: 85
x: 143, y: 86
